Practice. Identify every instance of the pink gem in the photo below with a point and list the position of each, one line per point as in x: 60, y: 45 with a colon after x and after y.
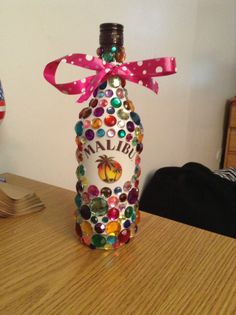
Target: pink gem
x: 127, y: 186
x: 86, y: 123
x: 93, y: 191
x: 137, y: 159
x: 85, y: 198
x: 129, y: 137
x: 113, y: 214
x: 113, y: 201
x: 103, y: 102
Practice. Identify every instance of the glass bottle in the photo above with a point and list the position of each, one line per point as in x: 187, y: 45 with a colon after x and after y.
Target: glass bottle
x: 109, y: 137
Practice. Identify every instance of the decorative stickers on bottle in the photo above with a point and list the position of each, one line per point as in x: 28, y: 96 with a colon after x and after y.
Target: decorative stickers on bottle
x: 109, y: 139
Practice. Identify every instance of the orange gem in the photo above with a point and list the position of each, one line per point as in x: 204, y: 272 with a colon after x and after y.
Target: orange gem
x: 96, y: 123
x: 86, y: 228
x: 113, y: 228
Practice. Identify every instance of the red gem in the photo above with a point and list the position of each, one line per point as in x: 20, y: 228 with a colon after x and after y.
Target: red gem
x: 113, y: 214
x: 110, y: 121
x: 124, y: 236
x: 93, y: 103
x: 85, y: 112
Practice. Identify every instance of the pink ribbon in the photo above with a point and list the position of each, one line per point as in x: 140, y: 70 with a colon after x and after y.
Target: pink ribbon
x: 140, y: 72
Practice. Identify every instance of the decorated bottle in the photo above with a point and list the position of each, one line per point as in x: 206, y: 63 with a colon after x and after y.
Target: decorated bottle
x: 109, y: 137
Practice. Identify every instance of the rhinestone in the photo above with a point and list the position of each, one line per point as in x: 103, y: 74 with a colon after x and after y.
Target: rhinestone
x: 121, y: 133
x: 98, y: 240
x: 130, y: 126
x: 103, y: 85
x: 100, y: 133
x: 110, y: 110
x: 96, y: 123
x: 128, y: 212
x: 114, y: 81
x: 121, y: 124
x: 117, y: 190
x: 99, y: 227
x: 98, y: 111
x: 93, y: 103
x: 111, y: 133
x: 79, y: 128
x: 113, y: 227
x: 116, y: 102
x: 85, y: 212
x: 110, y: 121
x: 86, y: 228
x: 113, y: 214
x: 135, y: 117
x: 106, y: 192
x: 120, y: 93
x: 101, y: 94
x: 108, y: 93
x: 133, y: 195
x: 103, y: 102
x: 99, y: 206
x: 89, y: 134
x: 122, y: 114
x: 85, y: 112
x: 124, y: 236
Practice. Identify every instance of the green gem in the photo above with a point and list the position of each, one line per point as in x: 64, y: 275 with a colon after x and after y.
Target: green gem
x: 78, y: 200
x: 116, y: 102
x: 98, y: 240
x: 128, y: 212
x: 107, y: 56
x: 113, y: 49
x: 133, y: 217
x: 121, y: 133
x: 105, y: 219
x: 79, y: 128
x: 135, y: 141
x: 114, y: 81
x: 99, y: 206
x: 122, y: 114
x: 136, y: 170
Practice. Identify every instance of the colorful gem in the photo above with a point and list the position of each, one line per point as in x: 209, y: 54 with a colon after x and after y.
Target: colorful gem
x: 95, y: 92
x: 86, y: 240
x: 111, y: 133
x: 108, y: 93
x: 103, y: 85
x: 94, y: 219
x: 86, y: 228
x: 99, y: 206
x: 130, y: 126
x: 89, y: 134
x: 133, y: 195
x: 123, y: 197
x: 105, y: 219
x: 122, y: 206
x: 110, y: 110
x: 128, y: 105
x: 98, y: 111
x: 107, y: 56
x: 129, y: 137
x: 103, y: 102
x: 79, y: 128
x: 80, y: 171
x: 133, y: 229
x: 111, y: 239
x: 113, y: 49
x: 120, y: 93
x: 116, y: 102
x: 135, y: 117
x: 139, y: 147
x: 93, y: 191
x: 113, y: 228
x: 126, y: 224
x: 137, y: 171
x: 121, y: 124
x: 135, y: 141
x: 114, y: 81
x: 100, y: 133
x: 78, y: 200
x: 85, y: 212
x: 85, y: 197
x: 85, y: 112
x: 120, y: 56
x: 133, y: 217
x: 113, y: 214
x: 121, y: 133
x: 122, y: 114
x: 127, y: 186
x: 96, y: 123
x: 99, y: 51
x: 128, y: 212
x: 93, y: 103
x: 101, y: 94
x: 137, y: 159
x: 79, y: 186
x: 98, y: 240
x: 113, y: 201
x: 124, y: 236
x: 117, y: 190
x: 106, y: 192
x: 110, y: 121
x: 78, y: 229
x: 87, y: 123
x: 99, y: 227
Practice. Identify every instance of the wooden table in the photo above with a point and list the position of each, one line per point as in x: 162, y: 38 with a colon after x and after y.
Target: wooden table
x: 169, y: 268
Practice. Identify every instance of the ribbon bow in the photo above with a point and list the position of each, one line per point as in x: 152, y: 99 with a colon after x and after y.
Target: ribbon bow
x: 140, y: 72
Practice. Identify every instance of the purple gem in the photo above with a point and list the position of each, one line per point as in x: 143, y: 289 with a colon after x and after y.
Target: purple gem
x: 108, y: 93
x: 130, y: 126
x: 133, y: 196
x: 98, y: 111
x: 95, y: 92
x: 89, y: 134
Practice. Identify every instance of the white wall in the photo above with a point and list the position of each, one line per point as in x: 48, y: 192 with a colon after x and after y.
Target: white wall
x: 182, y: 123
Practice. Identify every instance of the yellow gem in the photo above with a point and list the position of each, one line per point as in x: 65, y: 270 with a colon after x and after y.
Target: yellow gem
x: 86, y: 228
x: 113, y: 227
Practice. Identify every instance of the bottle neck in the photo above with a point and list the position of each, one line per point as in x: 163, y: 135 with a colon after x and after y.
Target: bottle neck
x: 111, y: 43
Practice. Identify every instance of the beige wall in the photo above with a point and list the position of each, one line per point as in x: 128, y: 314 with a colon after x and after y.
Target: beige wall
x: 183, y: 123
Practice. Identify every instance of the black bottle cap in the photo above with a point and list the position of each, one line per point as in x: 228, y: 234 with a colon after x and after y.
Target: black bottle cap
x: 111, y: 34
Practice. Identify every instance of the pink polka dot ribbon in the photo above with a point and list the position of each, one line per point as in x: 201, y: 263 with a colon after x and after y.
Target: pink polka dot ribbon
x: 140, y: 72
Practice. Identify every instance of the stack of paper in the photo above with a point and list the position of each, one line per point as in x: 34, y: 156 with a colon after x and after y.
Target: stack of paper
x: 16, y: 201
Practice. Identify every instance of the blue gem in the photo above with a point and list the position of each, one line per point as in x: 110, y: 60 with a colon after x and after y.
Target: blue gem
x: 110, y: 110
x: 101, y: 94
x: 135, y: 117
x: 79, y: 128
x: 78, y: 200
x: 126, y: 224
x: 117, y: 190
x: 100, y: 133
x: 103, y: 85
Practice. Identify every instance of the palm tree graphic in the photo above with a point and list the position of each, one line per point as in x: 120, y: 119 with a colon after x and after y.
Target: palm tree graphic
x: 109, y: 170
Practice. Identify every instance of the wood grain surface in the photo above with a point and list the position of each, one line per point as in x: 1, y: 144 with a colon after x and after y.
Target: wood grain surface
x: 169, y: 268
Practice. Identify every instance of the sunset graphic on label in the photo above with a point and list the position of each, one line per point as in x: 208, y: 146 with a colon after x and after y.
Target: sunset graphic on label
x: 109, y: 170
